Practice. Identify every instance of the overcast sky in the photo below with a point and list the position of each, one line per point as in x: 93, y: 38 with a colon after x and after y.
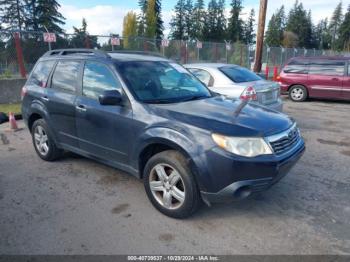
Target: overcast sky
x: 106, y: 16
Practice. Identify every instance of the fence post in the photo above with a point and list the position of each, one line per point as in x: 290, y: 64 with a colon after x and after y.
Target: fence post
x: 19, y: 52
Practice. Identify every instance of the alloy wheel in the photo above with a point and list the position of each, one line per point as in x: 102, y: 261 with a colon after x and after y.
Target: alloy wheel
x: 167, y: 186
x: 41, y: 140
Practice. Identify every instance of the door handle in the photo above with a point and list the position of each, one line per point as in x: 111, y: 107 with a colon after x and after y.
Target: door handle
x: 335, y: 79
x: 45, y: 98
x: 81, y: 108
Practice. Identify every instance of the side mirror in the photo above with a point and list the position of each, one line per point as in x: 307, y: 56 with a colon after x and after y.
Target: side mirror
x: 110, y: 98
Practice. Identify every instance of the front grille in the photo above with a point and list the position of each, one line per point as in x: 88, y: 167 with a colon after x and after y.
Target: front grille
x: 267, y: 97
x: 285, y: 141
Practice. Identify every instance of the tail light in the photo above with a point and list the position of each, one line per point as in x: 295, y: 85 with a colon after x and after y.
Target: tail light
x: 278, y: 78
x: 23, y: 92
x: 249, y: 94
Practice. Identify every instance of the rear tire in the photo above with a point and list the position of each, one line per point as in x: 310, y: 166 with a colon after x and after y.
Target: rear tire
x: 43, y: 141
x: 170, y: 184
x: 298, y: 93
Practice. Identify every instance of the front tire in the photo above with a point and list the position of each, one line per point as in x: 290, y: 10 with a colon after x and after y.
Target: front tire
x: 43, y: 141
x: 170, y: 184
x: 298, y: 93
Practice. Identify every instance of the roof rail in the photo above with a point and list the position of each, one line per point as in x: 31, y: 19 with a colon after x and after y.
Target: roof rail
x: 135, y: 53
x: 77, y: 51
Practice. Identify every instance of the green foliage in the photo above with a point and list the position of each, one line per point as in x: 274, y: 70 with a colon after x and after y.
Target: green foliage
x: 335, y: 23
x: 43, y: 14
x: 275, y: 28
x: 248, y: 29
x: 299, y: 23
x: 235, y: 23
x: 129, y: 29
x: 31, y: 15
x: 215, y: 24
x: 82, y: 39
x: 12, y: 14
x: 178, y: 23
x: 198, y: 19
x: 151, y: 19
x: 6, y: 74
x: 344, y: 32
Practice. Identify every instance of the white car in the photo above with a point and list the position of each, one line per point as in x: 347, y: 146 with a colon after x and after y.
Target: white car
x: 235, y: 81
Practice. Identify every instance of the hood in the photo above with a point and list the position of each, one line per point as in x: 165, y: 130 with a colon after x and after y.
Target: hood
x: 224, y: 116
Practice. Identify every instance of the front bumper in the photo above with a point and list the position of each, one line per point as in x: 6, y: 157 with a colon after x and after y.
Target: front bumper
x: 260, y: 176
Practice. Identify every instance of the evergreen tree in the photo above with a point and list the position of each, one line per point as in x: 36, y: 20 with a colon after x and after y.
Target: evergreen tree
x: 12, y: 14
x: 220, y: 28
x: 299, y: 23
x: 178, y: 23
x: 82, y: 38
x: 129, y: 28
x: 210, y: 22
x: 159, y: 20
x: 344, y: 32
x: 275, y: 28
x: 335, y: 23
x: 141, y: 19
x: 235, y: 23
x: 248, y: 29
x: 44, y: 14
x: 198, y: 18
x: 188, y: 34
x: 322, y: 36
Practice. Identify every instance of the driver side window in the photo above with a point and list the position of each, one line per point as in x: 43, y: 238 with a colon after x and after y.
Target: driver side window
x: 98, y: 78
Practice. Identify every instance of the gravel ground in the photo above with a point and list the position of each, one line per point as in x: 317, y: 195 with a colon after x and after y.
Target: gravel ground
x: 78, y: 206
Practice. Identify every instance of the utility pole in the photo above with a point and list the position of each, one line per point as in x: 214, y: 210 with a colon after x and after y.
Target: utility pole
x: 260, y: 36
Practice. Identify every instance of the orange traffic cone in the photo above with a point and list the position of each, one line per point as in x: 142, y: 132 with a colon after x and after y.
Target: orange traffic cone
x: 12, y: 121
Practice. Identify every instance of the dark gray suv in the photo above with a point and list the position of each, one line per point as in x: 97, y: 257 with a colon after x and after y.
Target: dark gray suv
x: 150, y: 117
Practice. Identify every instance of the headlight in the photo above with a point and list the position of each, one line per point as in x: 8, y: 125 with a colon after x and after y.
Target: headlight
x: 243, y: 146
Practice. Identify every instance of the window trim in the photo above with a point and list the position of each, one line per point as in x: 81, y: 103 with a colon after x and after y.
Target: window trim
x: 121, y: 89
x: 76, y: 92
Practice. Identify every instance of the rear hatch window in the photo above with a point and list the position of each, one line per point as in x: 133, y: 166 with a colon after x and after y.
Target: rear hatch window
x: 239, y: 74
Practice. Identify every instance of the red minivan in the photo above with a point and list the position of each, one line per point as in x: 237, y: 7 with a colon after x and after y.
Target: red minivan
x: 321, y: 77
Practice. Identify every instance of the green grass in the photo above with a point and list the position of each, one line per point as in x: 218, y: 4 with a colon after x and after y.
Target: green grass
x: 6, y: 108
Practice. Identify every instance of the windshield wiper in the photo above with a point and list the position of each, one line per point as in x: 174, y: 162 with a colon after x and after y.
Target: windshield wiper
x: 159, y: 101
x: 191, y: 98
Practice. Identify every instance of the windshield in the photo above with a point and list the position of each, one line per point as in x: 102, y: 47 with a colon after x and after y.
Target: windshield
x: 161, y: 82
x: 239, y: 74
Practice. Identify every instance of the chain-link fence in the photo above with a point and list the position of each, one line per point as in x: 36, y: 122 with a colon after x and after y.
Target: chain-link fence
x: 20, y: 50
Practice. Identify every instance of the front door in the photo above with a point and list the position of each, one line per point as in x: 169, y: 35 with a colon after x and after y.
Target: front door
x: 325, y: 78
x: 103, y: 130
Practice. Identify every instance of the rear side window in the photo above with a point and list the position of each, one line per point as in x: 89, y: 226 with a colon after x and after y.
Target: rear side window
x: 296, y: 67
x: 202, y: 75
x: 66, y: 75
x: 239, y: 74
x: 41, y: 73
x: 98, y: 78
x: 327, y: 67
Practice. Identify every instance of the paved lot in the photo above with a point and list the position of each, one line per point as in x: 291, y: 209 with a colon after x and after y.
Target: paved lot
x: 78, y: 206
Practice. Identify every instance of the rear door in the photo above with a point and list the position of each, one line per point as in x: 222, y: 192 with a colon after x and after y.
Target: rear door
x: 61, y: 101
x: 104, y: 130
x: 346, y: 84
x: 326, y: 78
